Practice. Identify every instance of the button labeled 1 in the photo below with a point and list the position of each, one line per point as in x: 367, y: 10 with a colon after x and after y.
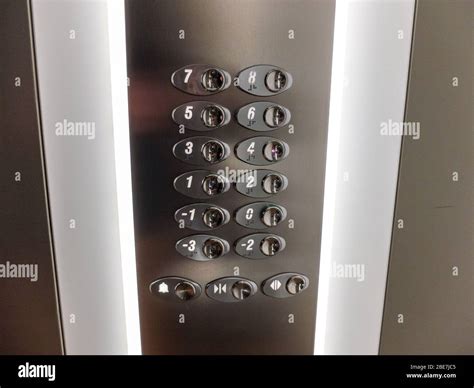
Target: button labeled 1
x: 201, y: 184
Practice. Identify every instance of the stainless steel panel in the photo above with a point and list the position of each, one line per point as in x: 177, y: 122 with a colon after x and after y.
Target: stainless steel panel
x: 231, y: 35
x: 429, y: 307
x: 29, y: 316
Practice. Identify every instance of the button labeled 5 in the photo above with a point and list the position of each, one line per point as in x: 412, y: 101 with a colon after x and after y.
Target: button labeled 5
x: 201, y: 115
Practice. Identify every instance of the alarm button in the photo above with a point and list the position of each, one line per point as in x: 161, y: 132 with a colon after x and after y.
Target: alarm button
x: 231, y: 289
x: 264, y: 80
x: 174, y: 289
x: 285, y: 285
x: 200, y: 79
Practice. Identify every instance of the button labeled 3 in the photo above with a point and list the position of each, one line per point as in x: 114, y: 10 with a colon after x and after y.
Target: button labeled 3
x: 201, y: 184
x: 174, y: 288
x: 260, y: 215
x: 231, y: 289
x: 201, y: 150
x: 202, y: 247
x: 285, y: 285
x: 259, y: 245
x: 264, y: 80
x: 201, y: 115
x: 200, y: 80
x: 263, y: 116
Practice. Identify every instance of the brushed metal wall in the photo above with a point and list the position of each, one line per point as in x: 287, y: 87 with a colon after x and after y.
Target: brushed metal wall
x: 429, y: 300
x: 29, y: 316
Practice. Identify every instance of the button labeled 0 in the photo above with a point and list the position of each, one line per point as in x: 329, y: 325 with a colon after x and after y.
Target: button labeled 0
x: 260, y: 215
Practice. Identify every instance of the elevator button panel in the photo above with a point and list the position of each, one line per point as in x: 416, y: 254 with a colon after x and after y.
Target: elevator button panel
x: 263, y: 116
x: 201, y: 184
x: 259, y: 245
x: 264, y: 80
x: 201, y: 115
x: 201, y: 80
x: 261, y: 183
x: 285, y: 285
x: 231, y: 289
x: 262, y: 150
x: 260, y: 215
x: 201, y: 150
x: 201, y: 216
x: 202, y: 247
x: 174, y: 288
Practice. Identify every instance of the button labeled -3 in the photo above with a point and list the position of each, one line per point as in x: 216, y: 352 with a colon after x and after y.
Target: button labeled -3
x: 202, y: 247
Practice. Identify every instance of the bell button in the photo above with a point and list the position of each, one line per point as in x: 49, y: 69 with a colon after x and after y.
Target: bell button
x: 185, y: 290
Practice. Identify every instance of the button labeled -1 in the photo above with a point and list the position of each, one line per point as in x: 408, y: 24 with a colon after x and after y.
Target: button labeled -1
x: 231, y: 289
x: 263, y: 116
x: 201, y: 216
x: 201, y: 184
x: 201, y: 115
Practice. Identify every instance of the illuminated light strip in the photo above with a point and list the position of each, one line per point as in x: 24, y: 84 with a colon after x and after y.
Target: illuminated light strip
x: 335, y: 108
x: 118, y: 73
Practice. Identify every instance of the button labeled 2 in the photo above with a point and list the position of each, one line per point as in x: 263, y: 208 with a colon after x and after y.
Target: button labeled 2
x: 201, y: 115
x: 201, y: 184
x: 263, y: 116
x: 264, y: 80
x: 200, y: 80
x: 202, y: 247
x: 261, y: 183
